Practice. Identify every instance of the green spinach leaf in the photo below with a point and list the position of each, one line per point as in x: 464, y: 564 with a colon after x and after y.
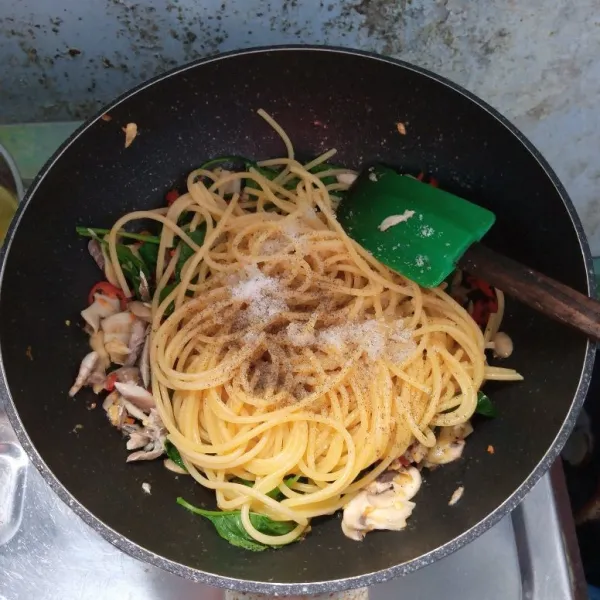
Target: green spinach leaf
x: 149, y: 254
x: 275, y: 493
x: 229, y: 526
x: 132, y: 266
x: 485, y: 406
x: 185, y: 251
x: 163, y: 294
x: 174, y: 455
x: 266, y: 172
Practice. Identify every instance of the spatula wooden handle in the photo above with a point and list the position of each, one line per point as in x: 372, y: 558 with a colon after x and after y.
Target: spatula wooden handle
x: 542, y: 293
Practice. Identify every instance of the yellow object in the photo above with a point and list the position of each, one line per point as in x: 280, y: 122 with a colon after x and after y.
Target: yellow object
x: 8, y: 208
x: 290, y: 351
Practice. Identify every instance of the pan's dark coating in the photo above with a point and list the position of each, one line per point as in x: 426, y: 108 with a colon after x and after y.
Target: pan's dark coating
x: 323, y: 99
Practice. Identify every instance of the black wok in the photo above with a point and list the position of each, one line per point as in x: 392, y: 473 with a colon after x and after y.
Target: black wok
x: 324, y: 98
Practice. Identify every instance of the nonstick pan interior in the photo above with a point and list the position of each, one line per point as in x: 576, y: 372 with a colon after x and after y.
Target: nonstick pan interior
x: 323, y: 98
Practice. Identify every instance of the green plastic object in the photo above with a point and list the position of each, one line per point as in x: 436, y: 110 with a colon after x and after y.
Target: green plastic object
x: 432, y: 229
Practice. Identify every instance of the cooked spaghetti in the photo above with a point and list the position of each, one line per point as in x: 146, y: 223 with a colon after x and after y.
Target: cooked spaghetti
x: 284, y: 357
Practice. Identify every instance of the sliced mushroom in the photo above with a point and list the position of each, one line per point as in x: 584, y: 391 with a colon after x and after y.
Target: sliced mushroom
x: 95, y: 250
x: 156, y: 452
x: 102, y: 308
x: 153, y: 420
x: 144, y: 288
x: 141, y: 310
x: 133, y: 410
x: 97, y: 345
x: 117, y: 332
x: 118, y: 408
x: 118, y: 327
x: 86, y: 368
x: 155, y: 434
x: 169, y: 464
x: 97, y: 379
x: 110, y: 400
x: 136, y: 341
x: 416, y: 452
x: 449, y: 446
x: 117, y: 351
x: 137, y: 395
x: 503, y: 345
x: 127, y: 375
x: 383, y: 504
x: 115, y: 411
x: 145, y: 361
x: 137, y: 439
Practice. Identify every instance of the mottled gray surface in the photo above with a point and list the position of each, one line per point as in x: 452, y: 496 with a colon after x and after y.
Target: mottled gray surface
x: 536, y: 61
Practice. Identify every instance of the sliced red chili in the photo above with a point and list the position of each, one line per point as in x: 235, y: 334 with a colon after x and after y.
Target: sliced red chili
x: 109, y: 384
x: 479, y: 314
x: 171, y: 196
x: 486, y: 288
x: 493, y: 306
x: 107, y: 289
x: 432, y: 181
x: 480, y: 285
x: 482, y: 310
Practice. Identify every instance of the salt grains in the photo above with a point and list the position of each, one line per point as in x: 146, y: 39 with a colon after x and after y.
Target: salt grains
x: 272, y: 246
x: 261, y: 293
x: 369, y: 335
x: 299, y: 336
x: 293, y: 229
x: 254, y: 286
x: 374, y: 337
x: 250, y: 337
x: 263, y: 297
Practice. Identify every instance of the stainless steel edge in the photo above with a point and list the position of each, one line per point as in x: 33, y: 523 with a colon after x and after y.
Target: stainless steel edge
x: 13, y: 460
x: 56, y: 556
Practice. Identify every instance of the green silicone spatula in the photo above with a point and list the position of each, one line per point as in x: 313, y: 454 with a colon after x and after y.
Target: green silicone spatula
x: 425, y: 233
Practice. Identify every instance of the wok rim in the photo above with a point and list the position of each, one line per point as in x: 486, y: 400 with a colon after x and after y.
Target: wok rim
x: 366, y: 579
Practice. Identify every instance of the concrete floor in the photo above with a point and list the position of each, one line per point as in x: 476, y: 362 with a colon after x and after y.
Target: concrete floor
x: 538, y: 62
